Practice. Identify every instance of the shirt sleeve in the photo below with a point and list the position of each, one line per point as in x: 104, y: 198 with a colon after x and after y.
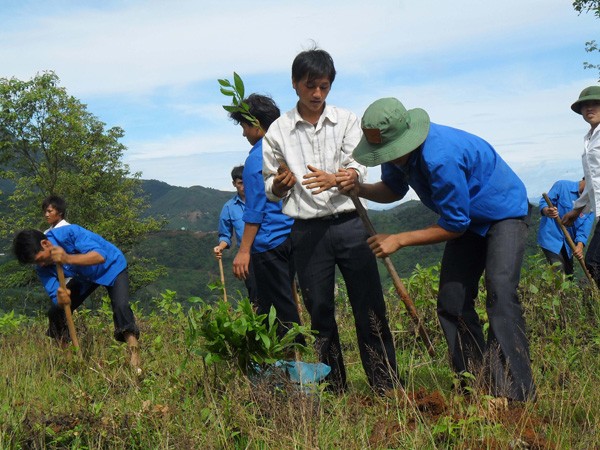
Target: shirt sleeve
x: 584, y: 201
x: 553, y: 195
x: 272, y: 157
x: 583, y: 227
x: 394, y: 179
x: 450, y: 193
x: 84, y: 241
x: 254, y: 186
x: 49, y: 279
x: 225, y: 226
x: 351, y: 139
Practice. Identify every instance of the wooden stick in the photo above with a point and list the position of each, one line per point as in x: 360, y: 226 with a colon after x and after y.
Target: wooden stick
x: 571, y: 243
x: 298, y: 308
x: 400, y: 289
x: 67, y: 308
x: 222, y: 279
x: 296, y: 297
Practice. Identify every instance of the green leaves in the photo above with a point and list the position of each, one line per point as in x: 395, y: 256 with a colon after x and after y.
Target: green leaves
x: 236, y: 91
x: 220, y: 332
x: 50, y: 144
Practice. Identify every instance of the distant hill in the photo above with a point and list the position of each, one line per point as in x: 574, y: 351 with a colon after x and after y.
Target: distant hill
x: 185, y: 246
x: 195, y: 208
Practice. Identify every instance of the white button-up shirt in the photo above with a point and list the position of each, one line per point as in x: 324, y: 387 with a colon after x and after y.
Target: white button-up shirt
x: 327, y: 146
x: 590, y: 197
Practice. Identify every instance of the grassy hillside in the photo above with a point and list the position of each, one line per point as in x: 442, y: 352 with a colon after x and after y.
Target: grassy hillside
x: 52, y: 399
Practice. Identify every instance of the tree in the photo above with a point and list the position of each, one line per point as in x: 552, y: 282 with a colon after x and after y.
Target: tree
x: 51, y: 145
x: 585, y: 6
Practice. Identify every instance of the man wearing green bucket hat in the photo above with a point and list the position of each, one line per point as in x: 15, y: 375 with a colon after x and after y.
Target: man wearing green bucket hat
x: 588, y: 105
x: 484, y: 213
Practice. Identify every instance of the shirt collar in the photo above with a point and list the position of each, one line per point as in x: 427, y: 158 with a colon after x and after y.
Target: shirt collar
x: 329, y: 113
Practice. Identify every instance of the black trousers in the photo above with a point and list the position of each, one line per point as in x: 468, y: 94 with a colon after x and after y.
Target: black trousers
x: 566, y: 263
x: 319, y: 245
x: 274, y: 273
x: 250, y: 283
x: 123, y: 318
x: 504, y: 360
x: 592, y: 256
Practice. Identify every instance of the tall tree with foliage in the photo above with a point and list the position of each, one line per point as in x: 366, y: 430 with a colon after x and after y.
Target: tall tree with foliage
x: 50, y: 144
x: 586, y: 6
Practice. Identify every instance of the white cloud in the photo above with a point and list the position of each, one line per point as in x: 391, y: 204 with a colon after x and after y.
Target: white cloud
x: 506, y: 71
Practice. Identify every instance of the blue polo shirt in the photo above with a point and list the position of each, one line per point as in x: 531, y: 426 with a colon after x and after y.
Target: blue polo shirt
x: 275, y: 226
x: 77, y: 240
x: 230, y: 220
x: 460, y: 177
x: 562, y: 194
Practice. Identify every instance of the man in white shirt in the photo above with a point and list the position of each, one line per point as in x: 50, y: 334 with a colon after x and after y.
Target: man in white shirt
x: 588, y: 105
x: 307, y: 152
x: 54, y: 209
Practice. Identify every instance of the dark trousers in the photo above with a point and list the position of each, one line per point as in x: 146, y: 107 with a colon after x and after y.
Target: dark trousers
x: 319, y: 245
x: 274, y: 272
x: 250, y: 283
x: 505, y: 359
x: 565, y: 262
x: 592, y: 256
x: 119, y: 299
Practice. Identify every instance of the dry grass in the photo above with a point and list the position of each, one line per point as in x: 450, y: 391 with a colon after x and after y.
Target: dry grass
x: 50, y: 398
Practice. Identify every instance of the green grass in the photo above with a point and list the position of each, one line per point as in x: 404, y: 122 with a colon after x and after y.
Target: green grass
x: 50, y: 398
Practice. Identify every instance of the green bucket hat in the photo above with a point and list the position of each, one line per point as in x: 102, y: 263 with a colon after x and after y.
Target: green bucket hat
x: 390, y: 131
x: 589, y: 93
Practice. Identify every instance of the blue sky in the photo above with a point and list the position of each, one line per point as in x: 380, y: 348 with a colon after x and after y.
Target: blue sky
x: 506, y: 71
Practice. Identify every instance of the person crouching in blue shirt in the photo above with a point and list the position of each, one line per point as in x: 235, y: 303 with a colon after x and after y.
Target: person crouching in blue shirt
x: 551, y: 239
x: 89, y: 261
x: 484, y: 214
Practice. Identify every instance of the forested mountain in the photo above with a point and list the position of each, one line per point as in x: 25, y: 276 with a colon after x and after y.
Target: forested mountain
x: 195, y: 208
x: 184, y: 247
x: 192, y: 214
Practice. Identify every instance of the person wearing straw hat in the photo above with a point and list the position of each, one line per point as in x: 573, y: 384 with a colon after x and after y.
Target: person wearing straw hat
x: 484, y: 214
x: 588, y: 106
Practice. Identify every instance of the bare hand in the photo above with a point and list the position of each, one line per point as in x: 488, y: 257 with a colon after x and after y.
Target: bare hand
x: 241, y: 265
x: 58, y: 254
x: 570, y: 217
x: 578, y: 252
x: 318, y: 179
x: 283, y: 181
x: 218, y: 251
x: 347, y: 181
x: 550, y: 211
x: 63, y: 296
x: 384, y: 245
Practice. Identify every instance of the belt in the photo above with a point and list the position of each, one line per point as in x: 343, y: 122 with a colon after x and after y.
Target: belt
x: 341, y: 216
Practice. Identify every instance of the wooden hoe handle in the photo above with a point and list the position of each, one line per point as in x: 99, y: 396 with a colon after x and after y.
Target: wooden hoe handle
x: 222, y: 279
x: 67, y: 308
x: 400, y: 289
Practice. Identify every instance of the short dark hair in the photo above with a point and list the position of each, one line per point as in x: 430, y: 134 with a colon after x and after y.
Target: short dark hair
x: 262, y: 107
x: 27, y: 244
x: 57, y: 202
x: 236, y: 173
x: 316, y: 63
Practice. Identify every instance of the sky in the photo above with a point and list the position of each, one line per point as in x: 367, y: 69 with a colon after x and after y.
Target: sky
x: 506, y: 71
